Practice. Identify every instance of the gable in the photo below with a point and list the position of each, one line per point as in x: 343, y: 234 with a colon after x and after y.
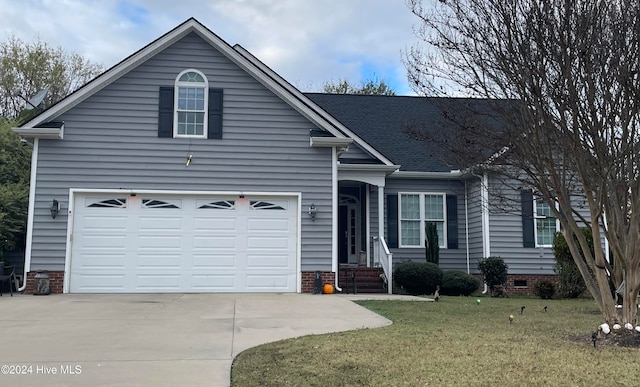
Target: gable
x: 129, y: 107
x: 242, y: 58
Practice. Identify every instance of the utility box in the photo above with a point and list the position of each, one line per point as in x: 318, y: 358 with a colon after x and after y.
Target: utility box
x: 43, y: 285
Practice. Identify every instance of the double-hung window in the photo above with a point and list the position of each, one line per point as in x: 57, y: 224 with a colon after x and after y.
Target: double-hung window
x: 418, y: 209
x: 191, y: 102
x: 546, y: 224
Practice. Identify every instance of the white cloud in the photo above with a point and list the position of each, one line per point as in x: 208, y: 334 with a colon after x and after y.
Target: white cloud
x: 308, y: 42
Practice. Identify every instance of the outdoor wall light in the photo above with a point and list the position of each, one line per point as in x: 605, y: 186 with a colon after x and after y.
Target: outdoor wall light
x: 55, y: 208
x: 313, y: 211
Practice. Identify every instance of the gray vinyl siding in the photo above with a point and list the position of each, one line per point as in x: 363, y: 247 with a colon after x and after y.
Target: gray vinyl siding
x: 111, y: 142
x: 450, y: 259
x: 506, y: 236
x: 475, y: 222
x: 356, y: 154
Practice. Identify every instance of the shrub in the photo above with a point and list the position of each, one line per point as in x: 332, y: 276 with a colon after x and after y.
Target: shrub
x: 544, y: 289
x: 570, y: 281
x: 458, y: 283
x: 417, y: 277
x: 494, y: 271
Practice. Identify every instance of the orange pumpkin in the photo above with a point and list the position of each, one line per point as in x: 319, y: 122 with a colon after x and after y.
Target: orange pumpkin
x: 327, y: 289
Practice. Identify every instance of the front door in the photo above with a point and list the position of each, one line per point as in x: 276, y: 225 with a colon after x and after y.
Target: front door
x: 348, y: 230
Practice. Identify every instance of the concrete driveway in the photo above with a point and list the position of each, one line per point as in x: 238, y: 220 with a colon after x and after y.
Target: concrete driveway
x: 155, y: 339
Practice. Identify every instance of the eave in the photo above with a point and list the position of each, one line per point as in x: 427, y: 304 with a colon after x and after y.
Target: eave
x: 328, y: 142
x: 49, y: 133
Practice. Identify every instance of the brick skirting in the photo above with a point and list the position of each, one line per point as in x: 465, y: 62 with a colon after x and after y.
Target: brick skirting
x: 524, y: 283
x: 309, y: 278
x: 56, y: 280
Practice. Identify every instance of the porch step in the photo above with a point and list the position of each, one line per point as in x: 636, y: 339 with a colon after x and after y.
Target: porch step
x: 367, y: 280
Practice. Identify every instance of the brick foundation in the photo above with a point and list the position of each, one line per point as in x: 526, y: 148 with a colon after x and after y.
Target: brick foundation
x: 530, y: 279
x: 309, y: 278
x: 56, y: 280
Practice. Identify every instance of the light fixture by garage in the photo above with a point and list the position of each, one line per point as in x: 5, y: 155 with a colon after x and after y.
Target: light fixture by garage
x: 313, y: 211
x: 55, y: 208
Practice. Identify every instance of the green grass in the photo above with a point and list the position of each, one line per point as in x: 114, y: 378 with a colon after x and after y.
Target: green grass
x: 454, y: 342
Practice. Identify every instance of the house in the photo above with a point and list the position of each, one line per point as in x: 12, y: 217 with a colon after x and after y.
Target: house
x: 191, y: 166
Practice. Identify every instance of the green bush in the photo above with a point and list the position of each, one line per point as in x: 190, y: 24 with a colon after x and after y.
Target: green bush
x: 458, y: 283
x: 570, y: 281
x: 544, y: 289
x: 494, y: 271
x: 417, y: 277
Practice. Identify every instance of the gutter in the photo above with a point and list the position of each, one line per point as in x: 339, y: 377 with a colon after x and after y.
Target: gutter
x: 453, y: 174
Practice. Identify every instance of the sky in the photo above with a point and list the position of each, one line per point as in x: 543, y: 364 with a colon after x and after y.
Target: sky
x: 307, y: 42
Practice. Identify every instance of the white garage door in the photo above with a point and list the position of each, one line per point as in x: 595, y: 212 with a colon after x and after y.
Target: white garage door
x: 154, y: 243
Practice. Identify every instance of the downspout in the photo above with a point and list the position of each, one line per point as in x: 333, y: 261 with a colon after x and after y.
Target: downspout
x: 466, y: 223
x: 334, y: 216
x: 32, y: 201
x: 486, y: 239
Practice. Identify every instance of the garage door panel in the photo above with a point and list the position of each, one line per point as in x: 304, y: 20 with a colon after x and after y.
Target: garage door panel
x: 202, y: 261
x: 268, y: 261
x: 214, y: 223
x: 99, y: 283
x: 266, y: 282
x: 268, y: 242
x: 104, y: 259
x: 147, y: 261
x: 105, y: 223
x: 218, y: 242
x: 158, y: 282
x: 184, y: 244
x: 103, y: 241
x: 270, y: 225
x: 214, y: 282
x: 157, y: 224
x: 160, y: 242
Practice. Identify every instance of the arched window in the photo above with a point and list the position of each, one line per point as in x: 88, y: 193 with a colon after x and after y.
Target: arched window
x: 191, y: 103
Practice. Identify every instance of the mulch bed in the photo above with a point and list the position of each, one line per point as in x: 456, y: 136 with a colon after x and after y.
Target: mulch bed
x: 617, y: 338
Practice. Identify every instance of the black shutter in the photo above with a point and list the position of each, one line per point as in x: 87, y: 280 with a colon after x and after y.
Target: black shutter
x: 452, y: 222
x: 528, y: 235
x: 165, y: 113
x: 215, y: 114
x: 392, y: 221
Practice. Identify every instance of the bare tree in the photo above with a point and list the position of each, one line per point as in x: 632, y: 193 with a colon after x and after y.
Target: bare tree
x: 26, y: 68
x: 564, y: 74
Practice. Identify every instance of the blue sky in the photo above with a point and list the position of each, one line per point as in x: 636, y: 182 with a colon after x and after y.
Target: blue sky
x: 308, y: 42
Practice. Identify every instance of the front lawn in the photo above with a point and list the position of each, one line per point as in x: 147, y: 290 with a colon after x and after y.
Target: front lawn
x: 455, y: 342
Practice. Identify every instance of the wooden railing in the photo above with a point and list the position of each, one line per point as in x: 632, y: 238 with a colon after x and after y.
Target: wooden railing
x: 382, y: 257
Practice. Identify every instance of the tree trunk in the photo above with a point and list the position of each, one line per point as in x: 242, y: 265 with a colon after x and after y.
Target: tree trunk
x: 630, y: 297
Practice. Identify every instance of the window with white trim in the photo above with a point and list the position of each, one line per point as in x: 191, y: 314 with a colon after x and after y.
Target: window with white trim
x: 418, y: 209
x: 546, y: 223
x: 191, y: 100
